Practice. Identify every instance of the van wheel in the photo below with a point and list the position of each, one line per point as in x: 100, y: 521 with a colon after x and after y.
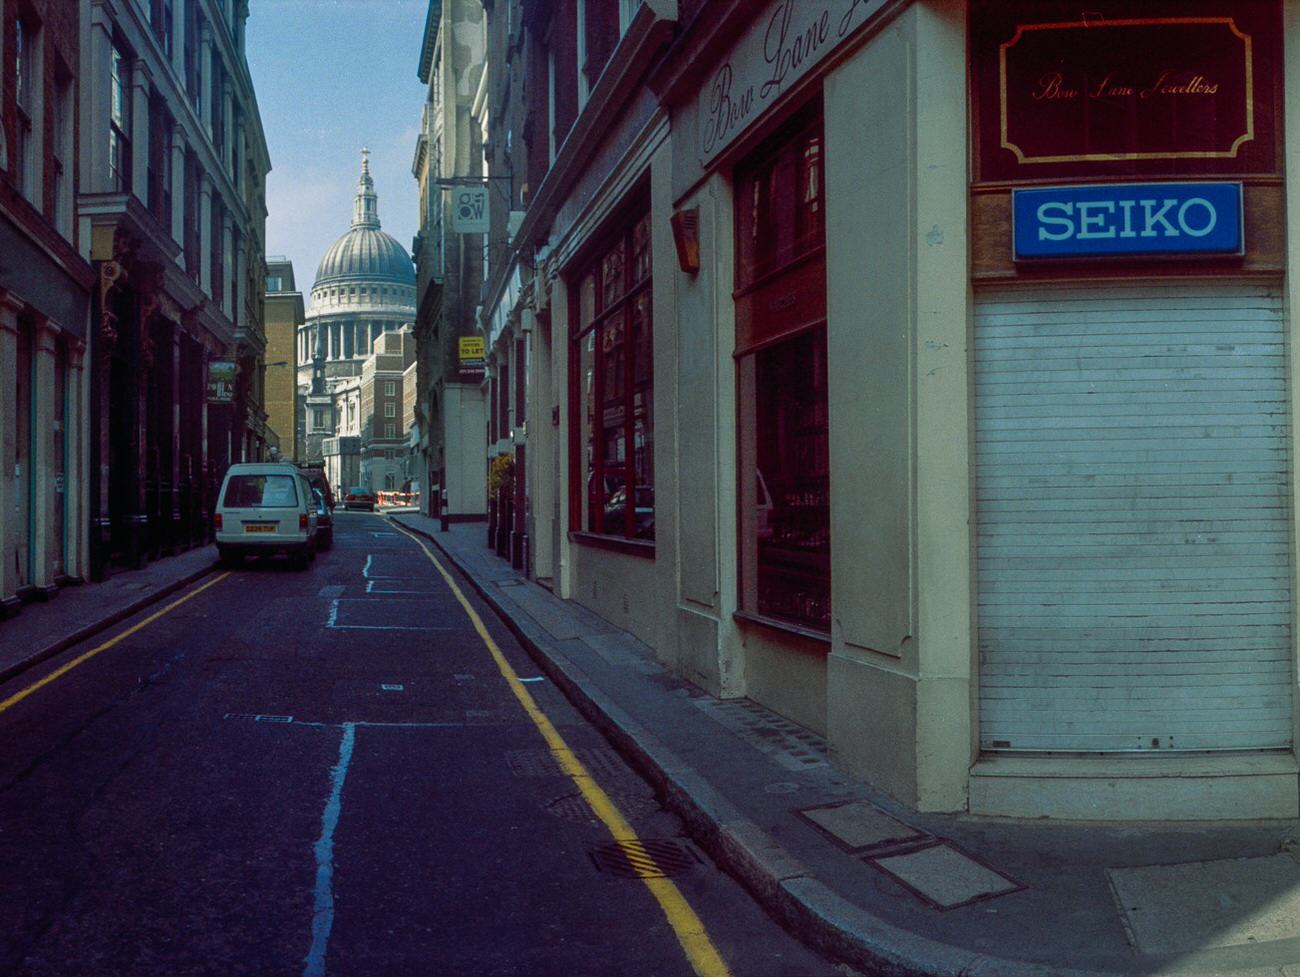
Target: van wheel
x: 228, y: 557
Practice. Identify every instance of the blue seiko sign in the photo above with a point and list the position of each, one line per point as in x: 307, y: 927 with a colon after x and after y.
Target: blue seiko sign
x: 1128, y: 219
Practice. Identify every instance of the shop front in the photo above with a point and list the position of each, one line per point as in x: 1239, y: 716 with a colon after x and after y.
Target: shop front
x: 1132, y: 412
x: 983, y: 410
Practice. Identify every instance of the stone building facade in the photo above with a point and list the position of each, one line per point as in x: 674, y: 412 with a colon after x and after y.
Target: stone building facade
x: 45, y: 291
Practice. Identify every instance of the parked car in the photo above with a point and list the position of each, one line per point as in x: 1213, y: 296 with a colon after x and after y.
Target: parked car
x: 359, y: 498
x: 316, y: 475
x: 265, y: 508
x: 324, y: 520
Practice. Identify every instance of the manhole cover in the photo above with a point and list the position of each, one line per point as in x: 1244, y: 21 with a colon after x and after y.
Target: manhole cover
x: 644, y: 859
x: 541, y: 763
x: 572, y: 807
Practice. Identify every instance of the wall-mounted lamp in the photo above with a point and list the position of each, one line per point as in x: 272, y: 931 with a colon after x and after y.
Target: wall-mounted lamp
x: 686, y: 235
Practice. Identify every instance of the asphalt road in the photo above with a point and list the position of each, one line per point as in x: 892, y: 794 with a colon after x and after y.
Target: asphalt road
x: 326, y: 772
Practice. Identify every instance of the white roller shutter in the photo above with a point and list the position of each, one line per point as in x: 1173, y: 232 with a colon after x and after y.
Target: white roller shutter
x: 1133, y: 518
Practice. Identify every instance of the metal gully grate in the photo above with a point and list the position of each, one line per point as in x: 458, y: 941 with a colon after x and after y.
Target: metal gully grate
x: 644, y: 859
x: 258, y: 717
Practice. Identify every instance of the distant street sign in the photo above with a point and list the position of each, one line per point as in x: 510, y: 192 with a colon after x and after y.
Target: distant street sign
x: 469, y: 210
x: 221, y: 382
x: 473, y: 353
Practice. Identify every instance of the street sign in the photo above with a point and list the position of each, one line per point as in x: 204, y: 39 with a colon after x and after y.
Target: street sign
x: 221, y: 381
x: 1128, y: 219
x: 469, y: 210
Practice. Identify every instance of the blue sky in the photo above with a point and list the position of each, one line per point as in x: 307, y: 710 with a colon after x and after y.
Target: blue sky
x: 332, y: 76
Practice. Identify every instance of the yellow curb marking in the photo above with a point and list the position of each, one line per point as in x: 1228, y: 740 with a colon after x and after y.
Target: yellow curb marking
x: 62, y: 670
x: 690, y: 930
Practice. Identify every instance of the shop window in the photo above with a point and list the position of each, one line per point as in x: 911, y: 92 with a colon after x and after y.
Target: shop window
x: 613, y: 389
x: 784, y: 471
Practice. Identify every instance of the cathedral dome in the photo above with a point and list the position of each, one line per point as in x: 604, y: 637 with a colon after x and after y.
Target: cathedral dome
x: 365, y: 253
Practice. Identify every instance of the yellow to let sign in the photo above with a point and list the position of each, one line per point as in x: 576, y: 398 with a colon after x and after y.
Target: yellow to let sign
x: 472, y: 348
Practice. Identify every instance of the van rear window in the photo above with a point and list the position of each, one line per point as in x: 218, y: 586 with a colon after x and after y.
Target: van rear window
x: 260, y: 491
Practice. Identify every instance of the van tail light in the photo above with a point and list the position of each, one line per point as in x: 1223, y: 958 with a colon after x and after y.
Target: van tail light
x: 216, y: 522
x: 302, y: 520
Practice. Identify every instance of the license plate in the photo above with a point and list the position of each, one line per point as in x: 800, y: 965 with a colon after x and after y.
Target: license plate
x: 259, y: 527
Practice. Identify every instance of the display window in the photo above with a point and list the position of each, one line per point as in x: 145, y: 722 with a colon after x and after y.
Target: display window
x: 613, y: 362
x: 784, y: 451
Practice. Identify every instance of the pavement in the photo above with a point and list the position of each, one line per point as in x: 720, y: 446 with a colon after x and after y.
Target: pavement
x: 861, y: 877
x: 76, y: 613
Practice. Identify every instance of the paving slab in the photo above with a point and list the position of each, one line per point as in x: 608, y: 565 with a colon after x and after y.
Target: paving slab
x: 1226, y: 902
x: 859, y: 825
x: 945, y: 877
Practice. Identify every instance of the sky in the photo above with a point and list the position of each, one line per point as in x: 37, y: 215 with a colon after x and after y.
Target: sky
x: 331, y: 77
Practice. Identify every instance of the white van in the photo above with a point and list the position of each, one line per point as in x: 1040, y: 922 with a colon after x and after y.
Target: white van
x: 265, y: 508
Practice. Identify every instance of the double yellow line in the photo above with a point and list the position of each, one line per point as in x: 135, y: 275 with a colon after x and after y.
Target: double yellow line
x: 688, y: 927
x: 62, y: 670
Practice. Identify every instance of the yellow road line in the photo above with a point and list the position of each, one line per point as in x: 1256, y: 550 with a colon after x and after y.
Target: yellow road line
x: 690, y: 930
x: 62, y: 670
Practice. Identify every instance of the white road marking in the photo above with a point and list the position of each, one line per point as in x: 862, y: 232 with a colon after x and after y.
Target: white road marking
x: 322, y: 920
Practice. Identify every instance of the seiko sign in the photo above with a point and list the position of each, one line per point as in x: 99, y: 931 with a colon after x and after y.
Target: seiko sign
x: 1154, y: 219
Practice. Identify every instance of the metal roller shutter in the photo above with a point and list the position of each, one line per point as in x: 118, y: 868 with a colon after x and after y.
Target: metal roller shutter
x: 1133, y: 517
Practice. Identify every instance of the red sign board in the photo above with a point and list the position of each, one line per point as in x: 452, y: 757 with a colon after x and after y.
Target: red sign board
x: 1107, y: 95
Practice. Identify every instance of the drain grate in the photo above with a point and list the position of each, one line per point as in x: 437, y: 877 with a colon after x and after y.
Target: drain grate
x: 541, y: 763
x: 258, y: 717
x: 573, y: 807
x: 648, y: 859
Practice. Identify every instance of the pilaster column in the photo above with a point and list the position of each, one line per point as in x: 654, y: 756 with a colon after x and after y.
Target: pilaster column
x: 205, y: 234
x: 44, y: 496
x: 176, y: 160
x: 205, y: 77
x: 179, y: 33
x: 9, y: 309
x: 96, y: 101
x: 77, y: 488
x: 176, y: 530
x: 227, y: 266
x: 140, y: 130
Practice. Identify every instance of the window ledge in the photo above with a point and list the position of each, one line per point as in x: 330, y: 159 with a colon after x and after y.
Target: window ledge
x: 619, y: 544
x: 821, y: 637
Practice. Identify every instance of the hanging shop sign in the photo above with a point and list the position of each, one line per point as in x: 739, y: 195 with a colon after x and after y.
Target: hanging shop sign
x: 221, y: 381
x: 469, y: 210
x: 472, y: 360
x: 1128, y: 219
x: 1190, y: 91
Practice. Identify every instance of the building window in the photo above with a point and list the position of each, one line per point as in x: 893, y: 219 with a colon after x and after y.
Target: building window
x: 390, y: 431
x: 273, y: 283
x: 390, y: 388
x: 613, y: 387
x: 25, y: 96
x: 318, y: 418
x: 784, y: 456
x: 390, y: 409
x: 119, y: 130
x: 162, y: 21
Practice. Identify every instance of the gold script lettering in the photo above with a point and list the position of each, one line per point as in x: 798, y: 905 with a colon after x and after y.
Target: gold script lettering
x: 1052, y: 87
